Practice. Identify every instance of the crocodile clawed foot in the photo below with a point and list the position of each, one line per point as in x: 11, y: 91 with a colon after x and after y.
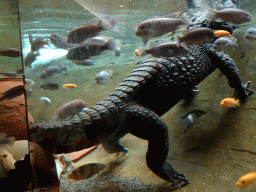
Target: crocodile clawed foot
x: 245, y: 92
x: 174, y: 175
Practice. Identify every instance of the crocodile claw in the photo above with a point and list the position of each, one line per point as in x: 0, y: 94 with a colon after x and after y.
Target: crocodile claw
x: 174, y: 175
x: 244, y: 92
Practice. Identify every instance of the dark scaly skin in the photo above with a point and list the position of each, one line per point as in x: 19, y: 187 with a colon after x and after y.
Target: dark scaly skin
x: 135, y: 107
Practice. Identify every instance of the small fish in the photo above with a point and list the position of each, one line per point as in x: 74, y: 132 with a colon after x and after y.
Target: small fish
x: 246, y: 180
x: 160, y: 25
x: 50, y: 86
x: 7, y: 160
x: 70, y: 86
x: 19, y: 70
x: 197, y: 35
x: 250, y: 34
x: 191, y: 117
x: 85, y: 62
x: 12, y: 93
x: 30, y: 58
x: 29, y: 82
x: 86, y: 171
x: 93, y: 47
x: 69, y: 109
x: 10, y: 52
x: 230, y: 102
x: 64, y: 165
x: 91, y: 29
x: 37, y: 43
x: 9, y: 74
x: 233, y: 15
x: 224, y: 43
x: 6, y: 141
x: 222, y: 33
x: 137, y: 52
x: 165, y: 49
x: 45, y: 100
x: 60, y: 42
x: 52, y: 71
x: 103, y: 76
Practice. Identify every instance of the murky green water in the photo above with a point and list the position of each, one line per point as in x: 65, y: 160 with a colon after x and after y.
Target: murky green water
x: 42, y: 18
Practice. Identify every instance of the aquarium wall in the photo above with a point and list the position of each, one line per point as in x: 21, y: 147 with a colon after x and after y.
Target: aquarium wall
x: 127, y: 95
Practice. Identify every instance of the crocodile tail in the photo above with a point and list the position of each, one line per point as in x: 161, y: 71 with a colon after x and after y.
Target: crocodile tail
x: 86, y: 129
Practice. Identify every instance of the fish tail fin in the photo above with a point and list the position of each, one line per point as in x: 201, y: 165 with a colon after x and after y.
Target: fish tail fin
x: 185, y: 19
x: 211, y: 14
x: 238, y: 103
x: 179, y: 39
x: 235, y: 42
x: 108, y: 23
x: 142, y: 52
x: 115, y: 46
x: 10, y: 141
x: 110, y: 72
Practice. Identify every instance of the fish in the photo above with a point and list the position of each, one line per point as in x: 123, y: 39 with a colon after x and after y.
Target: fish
x: 50, y: 86
x: 64, y: 165
x: 190, y: 118
x: 6, y: 141
x: 230, y: 102
x: 86, y: 171
x: 60, y: 42
x: 250, y: 33
x: 93, y: 47
x: 103, y: 76
x: 224, y: 43
x: 52, y: 71
x: 91, y: 29
x: 246, y: 180
x: 10, y: 52
x: 69, y: 109
x: 137, y: 52
x: 20, y: 70
x: 12, y: 93
x: 9, y: 74
x: 30, y: 58
x: 164, y: 49
x: 114, y: 44
x: 233, y: 15
x: 85, y: 62
x: 160, y: 25
x: 46, y: 100
x: 29, y: 82
x: 7, y: 160
x: 70, y: 86
x: 222, y: 33
x: 196, y: 35
x: 37, y: 43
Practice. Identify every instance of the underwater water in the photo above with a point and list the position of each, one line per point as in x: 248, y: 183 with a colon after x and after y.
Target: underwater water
x: 218, y: 149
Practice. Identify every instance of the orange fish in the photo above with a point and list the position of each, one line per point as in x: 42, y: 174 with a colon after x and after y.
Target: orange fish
x: 137, y: 52
x: 222, y: 33
x: 230, y: 102
x: 69, y: 85
x: 246, y: 180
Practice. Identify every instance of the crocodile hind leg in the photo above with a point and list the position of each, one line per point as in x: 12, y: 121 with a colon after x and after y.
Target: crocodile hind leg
x: 150, y: 127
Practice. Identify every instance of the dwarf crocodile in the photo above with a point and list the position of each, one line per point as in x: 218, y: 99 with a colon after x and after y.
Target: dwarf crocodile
x: 137, y: 104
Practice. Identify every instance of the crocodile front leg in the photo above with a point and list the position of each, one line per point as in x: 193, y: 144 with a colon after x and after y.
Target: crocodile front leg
x: 150, y: 127
x: 229, y: 69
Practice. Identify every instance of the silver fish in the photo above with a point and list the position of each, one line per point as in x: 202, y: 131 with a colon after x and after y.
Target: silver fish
x: 69, y: 109
x: 250, y: 34
x: 190, y: 118
x: 103, y: 76
x: 223, y: 43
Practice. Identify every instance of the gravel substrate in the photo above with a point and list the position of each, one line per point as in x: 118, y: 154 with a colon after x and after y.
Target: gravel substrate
x: 105, y: 181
